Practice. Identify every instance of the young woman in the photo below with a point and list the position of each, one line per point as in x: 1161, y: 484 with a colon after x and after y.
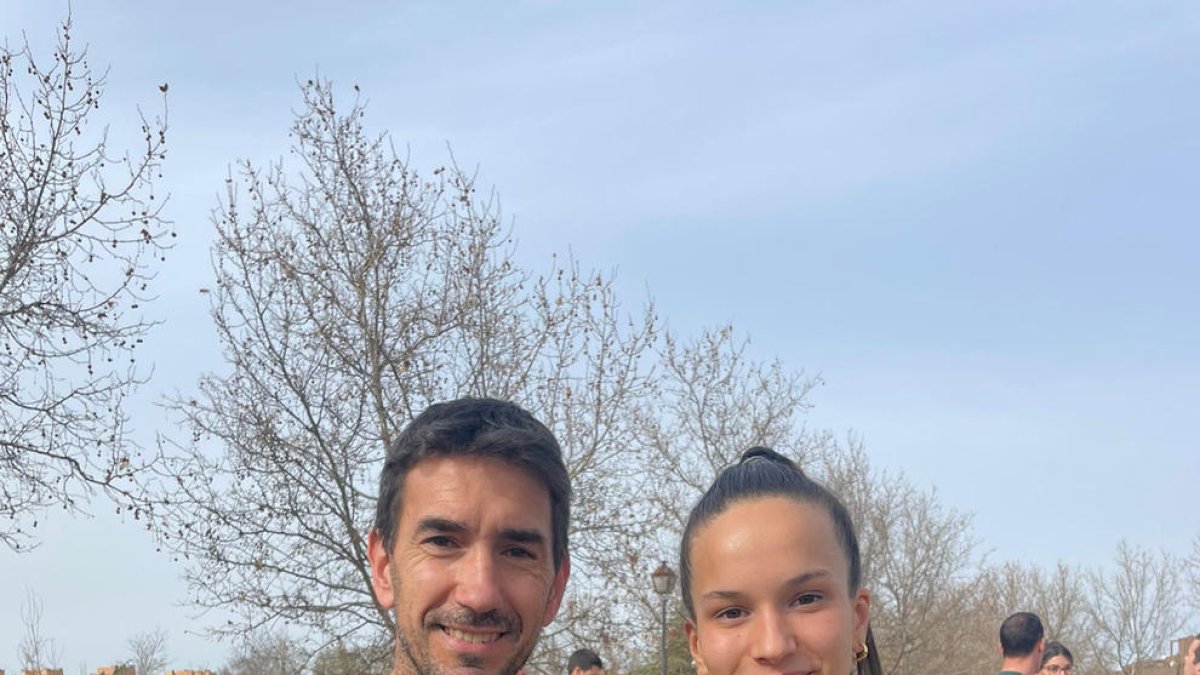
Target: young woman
x: 1057, y: 660
x: 770, y: 575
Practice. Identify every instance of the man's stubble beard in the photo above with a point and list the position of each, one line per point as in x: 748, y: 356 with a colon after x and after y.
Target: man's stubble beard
x: 425, y: 666
x: 422, y: 664
x: 417, y: 666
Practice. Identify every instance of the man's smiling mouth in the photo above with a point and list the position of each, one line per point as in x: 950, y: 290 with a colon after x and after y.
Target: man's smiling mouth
x: 472, y: 637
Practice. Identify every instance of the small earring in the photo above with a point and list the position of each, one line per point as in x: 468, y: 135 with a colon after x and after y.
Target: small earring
x: 860, y: 655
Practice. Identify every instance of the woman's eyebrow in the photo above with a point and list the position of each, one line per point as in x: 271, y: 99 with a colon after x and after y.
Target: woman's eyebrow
x: 798, y: 580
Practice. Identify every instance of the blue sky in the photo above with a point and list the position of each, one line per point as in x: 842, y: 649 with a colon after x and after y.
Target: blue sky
x: 978, y: 221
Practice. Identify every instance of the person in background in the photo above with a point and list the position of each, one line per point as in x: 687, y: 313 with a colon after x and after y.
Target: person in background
x: 1022, y: 641
x: 1057, y: 659
x: 585, y: 662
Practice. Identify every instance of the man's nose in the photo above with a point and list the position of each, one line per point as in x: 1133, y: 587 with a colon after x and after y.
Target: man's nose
x: 477, y: 583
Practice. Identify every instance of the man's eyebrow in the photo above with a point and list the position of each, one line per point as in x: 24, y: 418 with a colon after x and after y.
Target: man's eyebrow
x: 797, y: 580
x: 440, y: 525
x: 523, y: 536
x: 517, y: 535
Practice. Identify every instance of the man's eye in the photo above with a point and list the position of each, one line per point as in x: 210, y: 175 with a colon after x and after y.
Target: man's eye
x: 440, y: 542
x: 519, y: 552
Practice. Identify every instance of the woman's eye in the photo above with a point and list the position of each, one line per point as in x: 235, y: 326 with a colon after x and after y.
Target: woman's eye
x: 807, y: 598
x: 730, y: 613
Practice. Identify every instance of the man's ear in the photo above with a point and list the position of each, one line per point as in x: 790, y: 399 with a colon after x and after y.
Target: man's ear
x: 381, y: 570
x: 557, y: 589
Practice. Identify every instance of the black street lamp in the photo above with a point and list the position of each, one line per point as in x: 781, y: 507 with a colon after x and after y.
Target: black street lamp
x: 664, y: 582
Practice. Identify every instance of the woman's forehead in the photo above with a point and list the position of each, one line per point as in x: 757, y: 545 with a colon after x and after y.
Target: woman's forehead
x: 775, y: 533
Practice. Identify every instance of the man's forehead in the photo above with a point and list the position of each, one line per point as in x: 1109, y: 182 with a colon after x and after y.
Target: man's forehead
x: 464, y: 484
x: 440, y: 466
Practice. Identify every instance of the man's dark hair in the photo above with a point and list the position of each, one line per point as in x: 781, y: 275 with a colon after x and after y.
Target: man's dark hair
x: 1020, y: 633
x: 479, y: 427
x: 585, y: 660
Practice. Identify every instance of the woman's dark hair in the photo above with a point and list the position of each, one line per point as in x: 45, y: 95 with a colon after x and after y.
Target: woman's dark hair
x: 1055, y: 648
x: 762, y: 472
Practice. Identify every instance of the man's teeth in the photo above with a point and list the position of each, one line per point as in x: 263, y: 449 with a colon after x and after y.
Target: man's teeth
x: 476, y: 638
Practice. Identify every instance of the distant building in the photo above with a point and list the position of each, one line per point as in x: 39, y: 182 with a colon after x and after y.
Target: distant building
x: 43, y: 671
x: 115, y: 670
x: 1156, y: 667
x: 1178, y: 660
x: 184, y: 672
x: 1175, y: 664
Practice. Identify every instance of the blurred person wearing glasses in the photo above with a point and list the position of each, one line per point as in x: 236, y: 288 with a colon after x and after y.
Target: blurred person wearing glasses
x: 1057, y: 659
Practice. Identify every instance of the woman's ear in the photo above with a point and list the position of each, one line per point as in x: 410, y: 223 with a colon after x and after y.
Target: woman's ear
x: 694, y: 647
x: 862, y: 615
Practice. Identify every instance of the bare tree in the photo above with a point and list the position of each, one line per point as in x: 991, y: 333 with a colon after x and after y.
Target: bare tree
x: 340, y: 659
x: 148, y: 652
x: 266, y: 653
x: 80, y: 239
x: 351, y: 293
x: 37, y: 651
x: 1060, y: 599
x: 1192, y: 575
x: 918, y: 561
x: 713, y: 401
x: 1134, y: 607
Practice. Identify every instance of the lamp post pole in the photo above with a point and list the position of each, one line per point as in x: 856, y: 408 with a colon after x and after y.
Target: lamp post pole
x: 662, y: 643
x: 664, y: 581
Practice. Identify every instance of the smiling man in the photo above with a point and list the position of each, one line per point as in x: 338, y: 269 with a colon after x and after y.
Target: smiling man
x: 469, y: 547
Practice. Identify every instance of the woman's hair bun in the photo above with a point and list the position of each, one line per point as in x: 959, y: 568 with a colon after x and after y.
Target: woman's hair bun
x: 765, y: 453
